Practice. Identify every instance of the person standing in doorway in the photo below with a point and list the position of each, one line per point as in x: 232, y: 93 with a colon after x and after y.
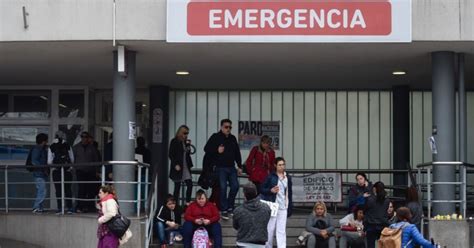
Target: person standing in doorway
x: 143, y: 150
x: 277, y: 188
x: 260, y: 162
x: 85, y: 152
x: 224, y: 151
x: 61, y: 153
x: 181, y: 163
x: 39, y: 158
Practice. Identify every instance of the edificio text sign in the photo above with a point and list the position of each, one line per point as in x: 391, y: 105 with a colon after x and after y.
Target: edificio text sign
x: 325, y: 187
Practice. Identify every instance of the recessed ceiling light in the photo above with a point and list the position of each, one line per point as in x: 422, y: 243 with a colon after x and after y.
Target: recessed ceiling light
x: 182, y: 73
x: 143, y: 105
x: 399, y: 73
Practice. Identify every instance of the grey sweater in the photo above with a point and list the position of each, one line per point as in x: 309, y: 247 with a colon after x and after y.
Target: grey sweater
x: 251, y: 220
x: 311, y: 222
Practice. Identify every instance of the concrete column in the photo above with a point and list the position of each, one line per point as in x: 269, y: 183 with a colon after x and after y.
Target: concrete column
x: 444, y: 118
x: 159, y: 137
x: 401, y: 135
x: 124, y: 145
x: 462, y: 118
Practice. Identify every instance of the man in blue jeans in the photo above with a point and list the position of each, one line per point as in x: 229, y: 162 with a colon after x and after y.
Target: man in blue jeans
x: 224, y: 152
x: 39, y: 158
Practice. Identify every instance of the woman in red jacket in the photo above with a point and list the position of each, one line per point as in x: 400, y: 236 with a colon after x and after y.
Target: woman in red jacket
x: 202, y: 213
x: 260, y: 162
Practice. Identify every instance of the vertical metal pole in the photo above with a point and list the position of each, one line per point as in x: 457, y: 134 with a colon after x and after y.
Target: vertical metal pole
x: 146, y: 187
x: 463, y: 186
x: 62, y: 190
x: 6, y: 188
x: 139, y: 190
x: 428, y: 184
x: 103, y: 175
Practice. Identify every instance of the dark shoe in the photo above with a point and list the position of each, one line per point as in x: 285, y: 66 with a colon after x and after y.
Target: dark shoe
x: 225, y: 216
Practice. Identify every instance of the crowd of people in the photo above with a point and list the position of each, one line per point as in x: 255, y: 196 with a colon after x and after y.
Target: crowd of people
x: 259, y: 221
x: 262, y: 218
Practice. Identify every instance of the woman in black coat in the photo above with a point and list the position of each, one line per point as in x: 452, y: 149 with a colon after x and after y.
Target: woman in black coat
x: 181, y: 163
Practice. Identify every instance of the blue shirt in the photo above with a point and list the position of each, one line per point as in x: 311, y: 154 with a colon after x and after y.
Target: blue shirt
x: 39, y: 158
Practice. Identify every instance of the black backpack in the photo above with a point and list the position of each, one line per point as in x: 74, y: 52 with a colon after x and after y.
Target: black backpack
x: 61, y: 153
x: 320, y: 241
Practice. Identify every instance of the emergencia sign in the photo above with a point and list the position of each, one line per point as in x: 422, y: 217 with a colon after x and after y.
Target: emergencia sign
x: 289, y: 21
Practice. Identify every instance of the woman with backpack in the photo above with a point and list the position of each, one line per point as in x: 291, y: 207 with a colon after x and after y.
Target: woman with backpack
x: 260, y: 162
x: 277, y: 188
x: 202, y: 223
x: 181, y: 162
x: 320, y: 225
x: 108, y: 208
x: 376, y: 214
x: 410, y: 234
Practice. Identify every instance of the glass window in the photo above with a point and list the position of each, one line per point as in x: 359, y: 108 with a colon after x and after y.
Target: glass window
x: 15, y: 142
x: 25, y: 104
x: 71, y: 103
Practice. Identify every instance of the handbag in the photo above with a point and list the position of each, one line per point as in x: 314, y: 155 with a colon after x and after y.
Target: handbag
x: 347, y: 228
x: 118, y: 225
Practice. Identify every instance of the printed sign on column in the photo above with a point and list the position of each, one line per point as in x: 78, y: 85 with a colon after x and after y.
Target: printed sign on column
x: 289, y: 21
x: 325, y: 187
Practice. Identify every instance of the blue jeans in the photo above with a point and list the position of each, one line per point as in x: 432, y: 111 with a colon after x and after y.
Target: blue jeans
x: 227, y: 174
x: 40, y: 183
x: 163, y: 234
x: 214, y: 230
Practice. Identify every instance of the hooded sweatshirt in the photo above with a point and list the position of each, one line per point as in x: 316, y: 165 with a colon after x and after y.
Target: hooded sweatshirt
x: 411, y: 236
x: 251, y: 220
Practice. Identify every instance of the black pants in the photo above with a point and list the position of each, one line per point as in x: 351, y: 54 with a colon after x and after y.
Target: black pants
x: 67, y: 187
x: 189, y: 190
x: 87, y: 190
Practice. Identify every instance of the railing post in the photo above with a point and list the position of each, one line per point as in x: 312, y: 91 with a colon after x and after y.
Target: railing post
x: 463, y: 190
x: 146, y: 186
x: 139, y: 189
x: 428, y: 183
x: 6, y: 189
x: 103, y: 175
x: 62, y: 190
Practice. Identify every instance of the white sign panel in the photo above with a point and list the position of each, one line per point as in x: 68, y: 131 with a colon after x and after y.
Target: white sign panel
x: 289, y: 21
x: 325, y: 187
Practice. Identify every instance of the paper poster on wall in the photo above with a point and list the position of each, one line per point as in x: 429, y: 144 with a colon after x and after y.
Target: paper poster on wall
x: 132, y: 130
x: 325, y: 187
x: 158, y: 126
x: 250, y: 133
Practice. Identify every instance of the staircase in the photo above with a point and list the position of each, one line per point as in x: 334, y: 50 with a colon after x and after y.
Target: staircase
x: 295, y: 225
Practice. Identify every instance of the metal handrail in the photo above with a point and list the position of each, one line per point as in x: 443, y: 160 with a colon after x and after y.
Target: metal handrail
x: 462, y: 184
x: 103, y: 180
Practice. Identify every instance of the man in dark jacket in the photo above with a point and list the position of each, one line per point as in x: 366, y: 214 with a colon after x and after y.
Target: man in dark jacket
x: 225, y: 153
x: 85, y: 152
x: 251, y: 219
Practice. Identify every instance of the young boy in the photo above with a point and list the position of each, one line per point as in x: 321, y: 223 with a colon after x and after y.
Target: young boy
x: 169, y: 221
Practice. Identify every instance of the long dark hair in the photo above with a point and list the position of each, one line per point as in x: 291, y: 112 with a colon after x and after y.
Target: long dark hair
x: 412, y: 194
x: 380, y: 191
